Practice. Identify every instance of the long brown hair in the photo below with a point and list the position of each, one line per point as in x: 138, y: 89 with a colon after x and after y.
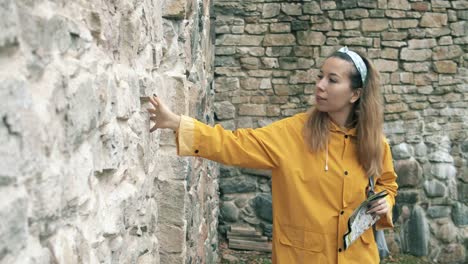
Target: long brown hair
x: 366, y: 116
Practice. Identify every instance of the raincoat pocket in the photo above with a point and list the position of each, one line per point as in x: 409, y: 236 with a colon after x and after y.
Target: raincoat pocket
x: 301, y: 239
x: 367, y: 237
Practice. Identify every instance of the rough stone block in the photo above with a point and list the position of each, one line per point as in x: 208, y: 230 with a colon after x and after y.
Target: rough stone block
x: 291, y: 9
x: 278, y: 51
x: 256, y: 29
x: 280, y: 28
x: 312, y: 8
x: 434, y: 188
x: 394, y: 35
x: 171, y: 239
x: 223, y: 84
x: 460, y: 214
x: 438, y: 211
x: 421, y: 43
x: 250, y: 63
x: 252, y: 110
x: 409, y: 173
x: 415, y: 55
x: 250, y: 83
x: 398, y: 4
x: 250, y: 51
x: 453, y: 253
x: 224, y: 110
x: 263, y: 207
x: 239, y: 40
x: 459, y: 28
x: 310, y: 38
x: 271, y: 10
x: 356, y: 13
x: 174, y: 9
x: 229, y: 212
x: 279, y: 40
x: 386, y: 65
x: 419, y: 236
x: 445, y: 67
x: 360, y: 41
x: 417, y: 67
x: 405, y: 23
x: 433, y: 20
x: 238, y: 184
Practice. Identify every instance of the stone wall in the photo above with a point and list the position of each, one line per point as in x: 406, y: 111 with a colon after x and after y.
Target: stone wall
x: 268, y: 54
x: 81, y: 179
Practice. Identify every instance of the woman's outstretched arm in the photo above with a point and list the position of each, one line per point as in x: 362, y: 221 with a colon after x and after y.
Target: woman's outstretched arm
x: 251, y: 148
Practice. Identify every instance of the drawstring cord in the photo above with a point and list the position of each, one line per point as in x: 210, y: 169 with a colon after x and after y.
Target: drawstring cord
x: 326, y: 159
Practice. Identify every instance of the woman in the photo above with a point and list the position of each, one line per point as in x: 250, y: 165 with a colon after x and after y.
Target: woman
x: 321, y: 162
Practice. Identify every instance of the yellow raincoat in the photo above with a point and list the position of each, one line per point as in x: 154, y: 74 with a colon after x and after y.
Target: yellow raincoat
x: 311, y: 206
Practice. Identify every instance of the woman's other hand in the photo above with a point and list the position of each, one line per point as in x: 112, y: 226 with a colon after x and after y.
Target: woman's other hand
x: 162, y: 116
x: 378, y: 207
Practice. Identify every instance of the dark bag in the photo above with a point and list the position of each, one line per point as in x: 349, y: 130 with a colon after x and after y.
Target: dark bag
x: 378, y: 234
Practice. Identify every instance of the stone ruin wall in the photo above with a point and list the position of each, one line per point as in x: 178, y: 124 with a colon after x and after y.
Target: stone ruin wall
x: 267, y: 56
x: 81, y: 179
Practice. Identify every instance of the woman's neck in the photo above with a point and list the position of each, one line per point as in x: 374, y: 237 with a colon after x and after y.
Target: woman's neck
x: 339, y: 119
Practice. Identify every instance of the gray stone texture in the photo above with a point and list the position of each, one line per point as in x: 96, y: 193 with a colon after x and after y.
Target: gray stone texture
x: 82, y: 180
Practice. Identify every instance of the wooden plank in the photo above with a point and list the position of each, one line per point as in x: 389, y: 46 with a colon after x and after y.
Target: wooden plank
x: 245, y: 234
x: 259, y: 238
x: 250, y: 245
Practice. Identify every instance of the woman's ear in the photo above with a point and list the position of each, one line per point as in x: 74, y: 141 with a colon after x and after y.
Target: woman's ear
x: 356, y: 95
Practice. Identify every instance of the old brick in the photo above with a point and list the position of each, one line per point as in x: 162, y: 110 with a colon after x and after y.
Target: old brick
x: 394, y: 35
x: 310, y: 38
x: 420, y: 6
x: 250, y: 83
x: 336, y: 14
x: 415, y: 55
x: 459, y: 28
x: 271, y: 10
x: 445, y: 67
x: 366, y: 42
x: 280, y: 28
x: 405, y: 23
x: 447, y: 52
x: 256, y: 28
x: 417, y: 67
x: 445, y: 40
x: 252, y: 110
x: 312, y: 8
x: 279, y: 40
x: 250, y: 63
x: 374, y: 24
x: 356, y: 13
x: 239, y: 40
x: 292, y: 9
x: 421, y: 43
x: 399, y: 4
x: 386, y: 65
x: 433, y: 20
x: 396, y: 108
x: 278, y: 51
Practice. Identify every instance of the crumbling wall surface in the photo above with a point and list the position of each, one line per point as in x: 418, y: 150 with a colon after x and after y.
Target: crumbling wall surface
x: 81, y: 178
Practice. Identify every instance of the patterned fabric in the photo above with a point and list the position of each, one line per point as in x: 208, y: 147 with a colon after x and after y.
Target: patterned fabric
x: 358, y: 62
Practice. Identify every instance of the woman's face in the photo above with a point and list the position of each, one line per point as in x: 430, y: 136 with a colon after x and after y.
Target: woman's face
x: 333, y: 92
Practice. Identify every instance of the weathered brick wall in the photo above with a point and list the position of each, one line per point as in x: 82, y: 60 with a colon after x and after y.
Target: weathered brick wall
x: 267, y: 57
x: 81, y: 178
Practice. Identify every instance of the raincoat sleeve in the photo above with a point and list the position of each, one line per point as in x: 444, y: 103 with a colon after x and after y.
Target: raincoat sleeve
x: 387, y: 181
x: 249, y: 148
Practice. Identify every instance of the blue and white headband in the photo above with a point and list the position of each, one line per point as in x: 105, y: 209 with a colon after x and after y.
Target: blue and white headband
x: 358, y: 62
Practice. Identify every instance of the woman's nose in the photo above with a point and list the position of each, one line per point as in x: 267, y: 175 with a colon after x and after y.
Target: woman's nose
x: 321, y: 85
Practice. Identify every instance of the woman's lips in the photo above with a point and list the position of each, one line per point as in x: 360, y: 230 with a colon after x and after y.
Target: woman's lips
x: 319, y: 98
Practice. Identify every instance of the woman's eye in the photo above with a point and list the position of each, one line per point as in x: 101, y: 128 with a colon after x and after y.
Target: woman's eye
x: 333, y: 81
x: 319, y: 77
